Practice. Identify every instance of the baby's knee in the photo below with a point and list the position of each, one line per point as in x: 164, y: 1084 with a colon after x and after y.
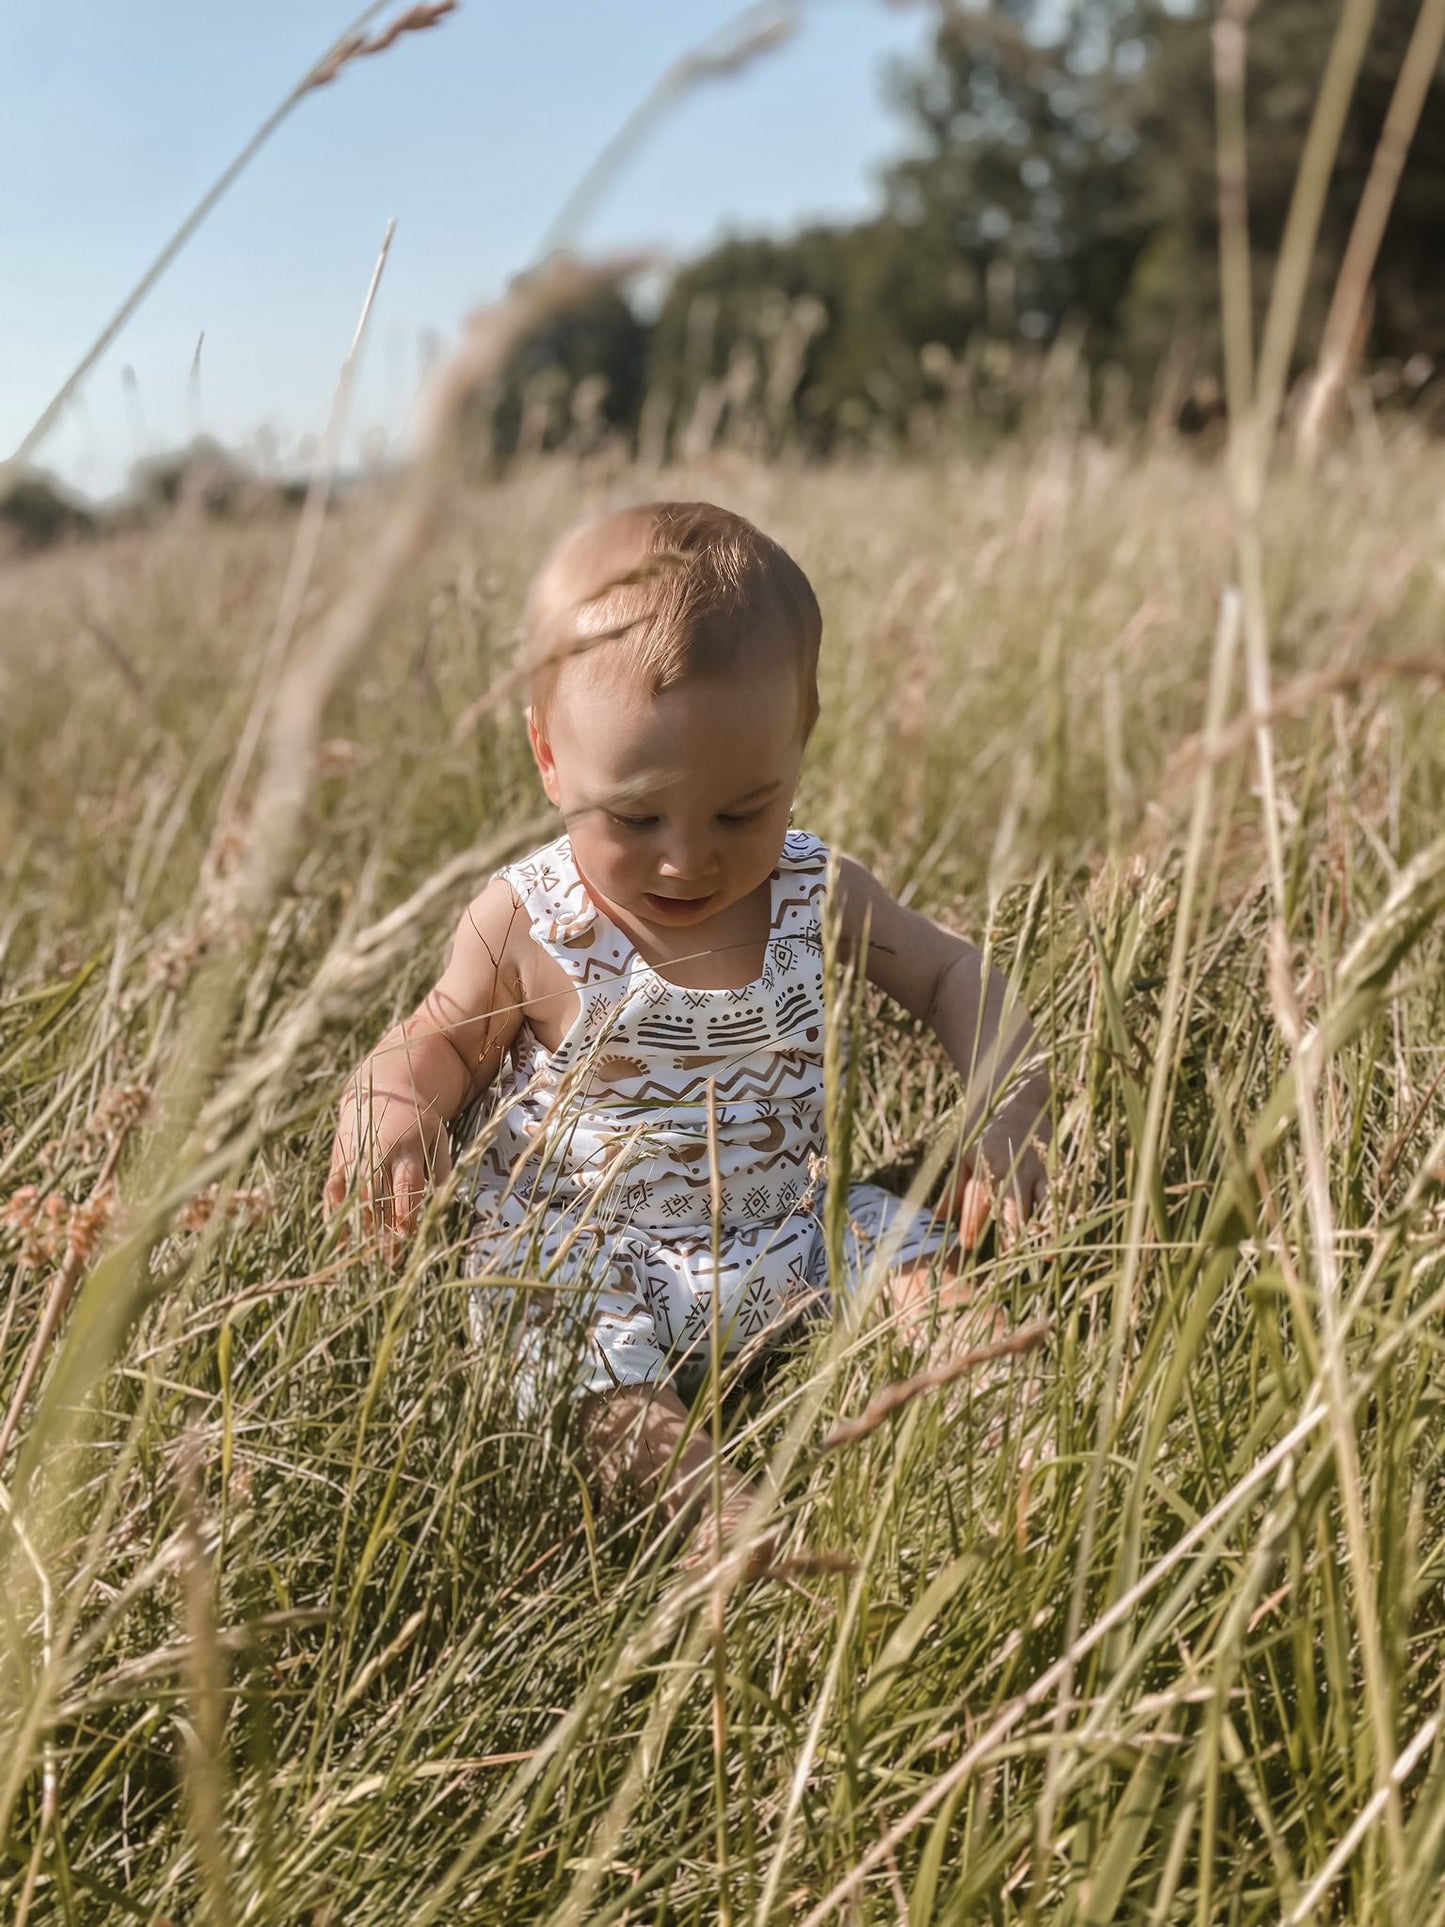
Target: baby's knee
x: 925, y: 1293
x: 915, y: 1289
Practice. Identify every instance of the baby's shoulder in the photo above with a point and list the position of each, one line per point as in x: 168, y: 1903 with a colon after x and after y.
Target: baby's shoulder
x: 497, y: 943
x: 866, y: 909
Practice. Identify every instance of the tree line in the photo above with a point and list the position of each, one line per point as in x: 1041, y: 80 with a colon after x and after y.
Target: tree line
x: 1054, y: 205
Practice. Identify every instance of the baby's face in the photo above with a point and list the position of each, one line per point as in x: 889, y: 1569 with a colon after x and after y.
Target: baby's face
x: 677, y: 804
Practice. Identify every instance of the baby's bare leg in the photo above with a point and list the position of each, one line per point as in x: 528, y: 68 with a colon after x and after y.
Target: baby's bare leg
x: 635, y: 1435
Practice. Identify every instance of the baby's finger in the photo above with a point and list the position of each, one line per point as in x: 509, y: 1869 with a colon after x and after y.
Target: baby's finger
x: 408, y: 1189
x: 369, y: 1201
x: 441, y: 1161
x: 338, y: 1183
x: 1011, y: 1218
x: 975, y: 1202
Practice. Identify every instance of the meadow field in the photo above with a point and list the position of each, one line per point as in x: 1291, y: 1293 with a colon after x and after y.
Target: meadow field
x: 305, y: 1622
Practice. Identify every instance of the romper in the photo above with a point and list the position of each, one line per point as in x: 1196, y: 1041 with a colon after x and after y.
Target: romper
x: 594, y: 1179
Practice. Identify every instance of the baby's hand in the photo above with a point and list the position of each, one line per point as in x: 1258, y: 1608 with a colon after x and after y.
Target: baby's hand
x: 399, y: 1151
x: 1003, y: 1169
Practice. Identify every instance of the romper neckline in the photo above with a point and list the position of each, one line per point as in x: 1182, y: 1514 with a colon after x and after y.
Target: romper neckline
x: 634, y: 956
x: 611, y: 974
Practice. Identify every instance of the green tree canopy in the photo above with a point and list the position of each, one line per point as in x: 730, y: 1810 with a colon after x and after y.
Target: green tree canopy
x: 1057, y: 173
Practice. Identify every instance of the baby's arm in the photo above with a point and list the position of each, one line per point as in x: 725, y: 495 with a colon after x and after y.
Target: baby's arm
x: 941, y: 978
x: 398, y: 1102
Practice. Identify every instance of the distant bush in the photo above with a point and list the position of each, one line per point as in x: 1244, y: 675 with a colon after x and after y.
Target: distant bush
x: 573, y: 383
x: 37, y: 511
x: 205, y: 476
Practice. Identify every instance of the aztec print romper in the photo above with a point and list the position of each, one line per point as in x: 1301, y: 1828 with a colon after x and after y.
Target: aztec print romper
x: 594, y: 1176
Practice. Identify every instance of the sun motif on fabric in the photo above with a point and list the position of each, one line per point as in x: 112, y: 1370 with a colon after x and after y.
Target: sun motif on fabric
x: 617, y: 1069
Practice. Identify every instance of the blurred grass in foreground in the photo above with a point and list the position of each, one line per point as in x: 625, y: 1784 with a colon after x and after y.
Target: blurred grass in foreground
x: 294, y: 1621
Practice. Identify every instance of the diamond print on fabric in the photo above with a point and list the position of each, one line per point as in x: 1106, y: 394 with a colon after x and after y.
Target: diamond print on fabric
x: 698, y: 1322
x: 758, y: 1309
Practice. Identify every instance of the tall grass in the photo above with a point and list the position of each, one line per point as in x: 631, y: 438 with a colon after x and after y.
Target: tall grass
x: 304, y: 1621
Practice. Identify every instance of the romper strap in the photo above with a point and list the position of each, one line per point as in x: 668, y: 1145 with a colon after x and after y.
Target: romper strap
x: 801, y: 887
x: 547, y: 886
x: 565, y: 921
x: 804, y: 853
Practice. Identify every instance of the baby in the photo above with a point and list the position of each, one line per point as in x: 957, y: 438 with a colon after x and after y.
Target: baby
x: 650, y: 990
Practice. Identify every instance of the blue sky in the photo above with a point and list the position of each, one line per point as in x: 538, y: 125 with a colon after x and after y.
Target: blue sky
x: 114, y: 119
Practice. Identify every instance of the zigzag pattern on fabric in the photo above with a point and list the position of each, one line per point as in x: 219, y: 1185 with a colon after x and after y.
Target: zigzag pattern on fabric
x: 743, y: 1082
x: 595, y: 970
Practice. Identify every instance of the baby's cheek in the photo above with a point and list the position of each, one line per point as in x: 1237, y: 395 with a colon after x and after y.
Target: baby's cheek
x: 598, y: 846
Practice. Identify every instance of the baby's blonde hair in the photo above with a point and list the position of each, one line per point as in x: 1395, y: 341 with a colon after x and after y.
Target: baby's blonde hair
x: 672, y: 591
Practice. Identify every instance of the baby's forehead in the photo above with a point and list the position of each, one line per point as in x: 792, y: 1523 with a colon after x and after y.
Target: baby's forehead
x: 612, y: 682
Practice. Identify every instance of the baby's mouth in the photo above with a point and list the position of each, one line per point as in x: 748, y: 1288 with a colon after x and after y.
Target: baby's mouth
x: 678, y: 906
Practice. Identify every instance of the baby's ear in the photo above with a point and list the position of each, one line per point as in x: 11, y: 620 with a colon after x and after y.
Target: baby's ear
x: 545, y: 761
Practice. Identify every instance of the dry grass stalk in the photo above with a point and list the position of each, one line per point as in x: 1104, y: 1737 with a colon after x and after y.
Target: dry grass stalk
x: 1256, y: 393
x: 355, y: 967
x: 204, y: 1668
x: 208, y: 201
x: 894, y: 1397
x: 754, y: 33
x: 1255, y: 409
x: 298, y: 575
x: 356, y: 46
x: 1149, y: 1154
x: 506, y: 683
x: 1309, y: 1050
x: 303, y: 692
x: 1232, y: 166
x: 1304, y: 695
x: 1297, y: 246
x: 1305, y: 1908
x: 79, y: 1253
x: 1343, y: 330
x: 758, y: 32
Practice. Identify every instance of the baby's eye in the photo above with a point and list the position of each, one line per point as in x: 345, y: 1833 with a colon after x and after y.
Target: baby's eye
x: 734, y: 819
x: 631, y: 822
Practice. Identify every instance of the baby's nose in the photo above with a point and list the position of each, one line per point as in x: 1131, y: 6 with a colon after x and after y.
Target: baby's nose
x: 686, y: 859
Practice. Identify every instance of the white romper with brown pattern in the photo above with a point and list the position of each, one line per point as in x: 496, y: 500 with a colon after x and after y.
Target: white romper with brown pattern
x: 594, y: 1178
